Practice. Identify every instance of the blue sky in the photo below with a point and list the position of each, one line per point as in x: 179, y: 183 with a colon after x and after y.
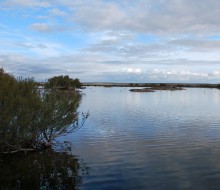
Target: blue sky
x: 112, y: 40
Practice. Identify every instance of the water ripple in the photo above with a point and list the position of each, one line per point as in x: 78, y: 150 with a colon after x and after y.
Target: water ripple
x: 162, y: 140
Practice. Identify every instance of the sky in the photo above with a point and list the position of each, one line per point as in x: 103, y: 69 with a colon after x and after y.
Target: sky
x: 112, y: 40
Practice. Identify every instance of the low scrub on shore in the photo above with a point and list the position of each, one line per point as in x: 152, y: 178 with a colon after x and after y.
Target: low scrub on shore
x: 30, y: 119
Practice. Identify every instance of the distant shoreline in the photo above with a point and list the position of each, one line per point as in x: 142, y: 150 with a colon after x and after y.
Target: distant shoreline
x: 188, y: 85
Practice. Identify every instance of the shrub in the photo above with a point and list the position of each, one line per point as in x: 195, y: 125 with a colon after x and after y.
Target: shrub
x: 30, y: 119
x: 63, y: 82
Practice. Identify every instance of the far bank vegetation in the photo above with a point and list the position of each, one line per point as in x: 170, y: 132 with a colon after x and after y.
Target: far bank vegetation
x: 63, y: 83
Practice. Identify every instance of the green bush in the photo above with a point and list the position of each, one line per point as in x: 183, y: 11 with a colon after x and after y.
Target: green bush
x: 63, y: 82
x: 31, y: 118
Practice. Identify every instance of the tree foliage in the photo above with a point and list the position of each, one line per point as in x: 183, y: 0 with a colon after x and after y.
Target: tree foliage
x: 32, y: 118
x: 63, y: 82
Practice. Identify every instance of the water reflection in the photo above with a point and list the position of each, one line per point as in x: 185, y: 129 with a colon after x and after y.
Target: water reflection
x: 48, y: 170
x: 162, y: 140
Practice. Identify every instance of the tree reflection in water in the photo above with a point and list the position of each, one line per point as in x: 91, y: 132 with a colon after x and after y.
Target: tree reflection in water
x: 48, y: 170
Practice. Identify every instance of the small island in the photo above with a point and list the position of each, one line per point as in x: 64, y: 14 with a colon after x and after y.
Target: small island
x: 142, y: 90
x: 156, y: 88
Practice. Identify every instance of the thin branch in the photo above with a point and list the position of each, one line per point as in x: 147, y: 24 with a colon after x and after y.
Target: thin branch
x: 20, y: 150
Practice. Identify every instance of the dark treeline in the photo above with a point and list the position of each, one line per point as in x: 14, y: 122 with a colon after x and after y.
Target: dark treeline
x: 63, y: 82
x: 187, y: 85
x: 30, y: 119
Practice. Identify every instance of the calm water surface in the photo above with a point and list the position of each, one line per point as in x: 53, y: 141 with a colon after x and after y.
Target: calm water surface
x: 166, y: 140
x: 162, y: 140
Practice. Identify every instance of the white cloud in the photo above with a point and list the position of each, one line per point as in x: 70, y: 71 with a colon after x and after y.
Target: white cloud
x: 126, y: 37
x: 145, y: 16
x: 197, y: 45
x: 41, y: 27
x: 182, y: 75
x: 215, y: 74
x: 131, y: 70
x: 57, y: 12
x: 148, y: 16
x: 179, y: 72
x: 49, y: 28
x: 97, y: 14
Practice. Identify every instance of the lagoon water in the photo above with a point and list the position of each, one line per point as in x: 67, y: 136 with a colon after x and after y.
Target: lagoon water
x: 165, y: 140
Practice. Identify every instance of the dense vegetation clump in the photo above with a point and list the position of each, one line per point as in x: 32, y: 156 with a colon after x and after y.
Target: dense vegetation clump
x: 30, y: 119
x: 63, y: 82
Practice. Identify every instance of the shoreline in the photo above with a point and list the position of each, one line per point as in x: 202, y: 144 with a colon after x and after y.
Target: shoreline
x: 180, y: 85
